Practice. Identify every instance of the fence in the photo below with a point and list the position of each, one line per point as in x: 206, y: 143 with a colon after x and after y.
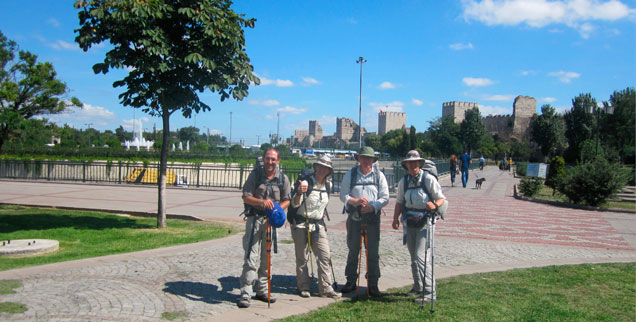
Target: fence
x: 193, y: 175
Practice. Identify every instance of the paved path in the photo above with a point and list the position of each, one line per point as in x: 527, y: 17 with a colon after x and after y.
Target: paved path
x: 485, y: 230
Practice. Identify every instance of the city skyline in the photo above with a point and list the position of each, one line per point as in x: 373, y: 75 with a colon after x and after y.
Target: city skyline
x: 419, y: 55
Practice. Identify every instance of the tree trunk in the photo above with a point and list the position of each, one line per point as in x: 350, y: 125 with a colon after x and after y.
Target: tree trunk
x: 161, y: 208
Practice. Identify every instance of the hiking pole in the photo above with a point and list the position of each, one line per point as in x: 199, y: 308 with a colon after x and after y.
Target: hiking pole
x: 268, y: 239
x: 366, y: 252
x: 433, y: 288
x: 426, y: 246
x: 311, y: 261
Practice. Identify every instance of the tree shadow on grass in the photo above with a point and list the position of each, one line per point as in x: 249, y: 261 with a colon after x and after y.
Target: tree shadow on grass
x: 26, y: 222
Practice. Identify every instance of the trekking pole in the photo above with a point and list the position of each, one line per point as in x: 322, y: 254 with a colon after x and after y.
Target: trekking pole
x: 359, y: 262
x: 366, y: 251
x: 311, y: 261
x: 268, y: 239
x: 433, y: 288
x: 426, y: 246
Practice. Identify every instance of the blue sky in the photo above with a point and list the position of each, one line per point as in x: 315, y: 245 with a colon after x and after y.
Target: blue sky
x: 419, y: 55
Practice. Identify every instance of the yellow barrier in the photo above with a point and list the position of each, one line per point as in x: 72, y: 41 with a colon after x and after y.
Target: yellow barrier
x: 149, y: 176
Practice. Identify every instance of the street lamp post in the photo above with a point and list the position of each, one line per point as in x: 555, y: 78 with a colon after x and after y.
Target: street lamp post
x: 361, y: 61
x: 230, y: 128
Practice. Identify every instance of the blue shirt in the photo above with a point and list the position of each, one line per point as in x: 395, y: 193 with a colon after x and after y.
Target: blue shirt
x: 465, y: 161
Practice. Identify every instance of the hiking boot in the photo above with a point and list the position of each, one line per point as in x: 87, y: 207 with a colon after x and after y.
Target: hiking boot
x: 374, y: 291
x: 413, y: 292
x: 349, y: 287
x: 305, y: 294
x: 244, y: 302
x: 263, y: 297
x: 331, y: 294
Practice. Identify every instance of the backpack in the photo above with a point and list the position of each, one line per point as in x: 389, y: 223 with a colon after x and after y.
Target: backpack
x: 354, y: 178
x: 429, y: 166
x: 308, y: 175
x: 260, y: 179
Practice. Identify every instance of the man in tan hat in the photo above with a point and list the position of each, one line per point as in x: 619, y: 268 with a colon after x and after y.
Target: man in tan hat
x: 308, y: 227
x: 364, y: 191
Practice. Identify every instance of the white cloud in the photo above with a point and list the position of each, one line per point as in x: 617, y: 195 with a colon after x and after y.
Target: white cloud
x: 276, y: 82
x: 528, y: 72
x: 100, y: 117
x: 53, y: 22
x: 565, y: 77
x: 470, y: 81
x: 461, y: 46
x: 486, y: 110
x: 387, y: 85
x: 308, y: 81
x: 548, y: 99
x: 291, y: 110
x: 539, y: 13
x: 498, y: 97
x: 395, y: 106
x: 61, y: 44
x: 264, y: 103
x: 417, y: 102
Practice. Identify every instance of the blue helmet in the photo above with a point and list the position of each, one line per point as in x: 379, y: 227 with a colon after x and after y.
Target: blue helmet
x: 276, y: 216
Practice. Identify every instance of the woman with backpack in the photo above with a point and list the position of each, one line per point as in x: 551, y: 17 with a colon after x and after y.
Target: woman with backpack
x: 306, y: 216
x: 419, y: 194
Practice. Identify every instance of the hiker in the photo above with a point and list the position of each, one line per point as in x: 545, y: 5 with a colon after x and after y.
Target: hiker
x: 308, y: 225
x: 413, y: 203
x: 264, y: 185
x: 364, y: 191
x: 453, y: 168
x: 465, y: 167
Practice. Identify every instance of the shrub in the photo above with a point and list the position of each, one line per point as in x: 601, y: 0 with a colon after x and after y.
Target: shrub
x: 556, y: 170
x: 593, y: 182
x: 530, y: 186
x: 521, y: 169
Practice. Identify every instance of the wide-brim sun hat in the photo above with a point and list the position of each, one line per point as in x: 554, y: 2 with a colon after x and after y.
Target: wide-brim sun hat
x: 324, y: 161
x: 413, y: 155
x: 366, y: 151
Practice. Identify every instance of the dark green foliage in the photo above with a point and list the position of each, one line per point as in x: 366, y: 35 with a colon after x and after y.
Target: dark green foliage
x: 521, y: 168
x: 548, y: 130
x: 580, y: 124
x: 530, y: 186
x: 593, y: 182
x: 472, y: 129
x: 556, y: 170
x: 445, y: 136
x: 617, y: 129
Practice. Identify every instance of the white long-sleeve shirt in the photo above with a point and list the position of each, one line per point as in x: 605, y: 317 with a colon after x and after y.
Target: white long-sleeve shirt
x: 377, y: 197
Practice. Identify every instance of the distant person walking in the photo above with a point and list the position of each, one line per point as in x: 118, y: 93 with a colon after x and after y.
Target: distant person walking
x: 509, y: 164
x: 264, y: 185
x: 482, y: 162
x: 465, y: 167
x: 453, y: 168
x: 364, y: 192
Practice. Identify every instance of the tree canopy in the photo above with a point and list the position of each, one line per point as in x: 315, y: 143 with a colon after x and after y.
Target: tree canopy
x: 472, y: 129
x: 28, y: 88
x: 173, y: 50
x: 548, y: 131
x: 579, y: 122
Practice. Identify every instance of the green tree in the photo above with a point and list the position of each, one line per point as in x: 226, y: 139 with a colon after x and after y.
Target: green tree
x: 548, y: 131
x: 579, y: 125
x: 617, y: 129
x: 28, y: 88
x: 374, y: 141
x: 413, y: 144
x: 445, y: 134
x: 393, y: 142
x: 173, y: 49
x: 188, y: 133
x: 472, y: 129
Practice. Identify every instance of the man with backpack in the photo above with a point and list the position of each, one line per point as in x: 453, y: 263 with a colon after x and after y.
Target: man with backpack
x: 419, y: 195
x: 364, y: 191
x: 264, y: 186
x: 308, y: 229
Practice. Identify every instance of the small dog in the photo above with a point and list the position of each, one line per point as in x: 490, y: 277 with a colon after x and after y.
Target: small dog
x: 478, y: 182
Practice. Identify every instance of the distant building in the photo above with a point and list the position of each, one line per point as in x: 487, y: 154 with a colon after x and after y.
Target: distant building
x: 347, y: 130
x: 389, y: 121
x: 315, y: 130
x: 457, y: 109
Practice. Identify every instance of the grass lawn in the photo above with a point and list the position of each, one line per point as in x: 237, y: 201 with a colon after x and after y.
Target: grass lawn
x: 603, y: 292
x: 84, y: 234
x: 545, y: 193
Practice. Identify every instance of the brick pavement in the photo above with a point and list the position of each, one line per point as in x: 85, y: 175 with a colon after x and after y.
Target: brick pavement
x: 484, y: 230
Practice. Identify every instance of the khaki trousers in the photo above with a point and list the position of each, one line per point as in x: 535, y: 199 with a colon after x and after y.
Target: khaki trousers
x: 254, y: 273
x: 321, y: 254
x: 421, y: 259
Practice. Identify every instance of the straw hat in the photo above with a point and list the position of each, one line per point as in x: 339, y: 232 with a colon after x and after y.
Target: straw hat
x: 412, y: 156
x: 366, y: 151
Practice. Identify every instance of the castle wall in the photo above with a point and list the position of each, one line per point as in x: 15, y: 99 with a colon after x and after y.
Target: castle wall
x: 457, y: 109
x: 523, y: 109
x: 498, y: 124
x: 388, y: 121
x: 315, y: 130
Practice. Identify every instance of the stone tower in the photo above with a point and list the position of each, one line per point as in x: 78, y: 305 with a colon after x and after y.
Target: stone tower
x: 388, y: 121
x: 457, y: 109
x: 523, y: 109
x: 316, y: 130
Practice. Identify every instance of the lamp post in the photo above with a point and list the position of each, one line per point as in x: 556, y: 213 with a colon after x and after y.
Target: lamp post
x: 361, y: 61
x: 230, y: 128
